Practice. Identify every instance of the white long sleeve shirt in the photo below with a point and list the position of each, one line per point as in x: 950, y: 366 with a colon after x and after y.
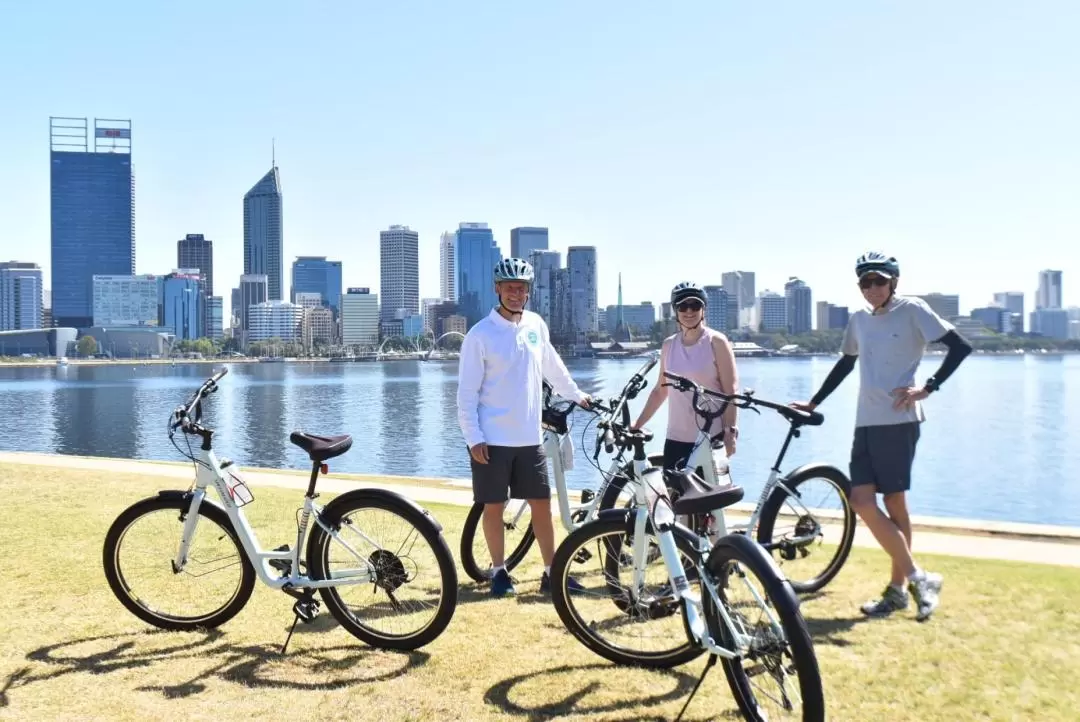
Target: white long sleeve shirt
x: 501, y: 374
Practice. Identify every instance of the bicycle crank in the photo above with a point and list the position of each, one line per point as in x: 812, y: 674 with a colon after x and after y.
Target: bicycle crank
x: 806, y: 530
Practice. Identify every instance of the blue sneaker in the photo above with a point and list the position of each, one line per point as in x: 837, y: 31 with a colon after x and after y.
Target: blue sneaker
x: 501, y: 584
x: 572, y: 585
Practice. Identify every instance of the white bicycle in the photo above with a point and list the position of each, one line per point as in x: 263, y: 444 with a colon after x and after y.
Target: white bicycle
x: 794, y: 511
x: 181, y: 561
x: 662, y: 594
x: 517, y: 517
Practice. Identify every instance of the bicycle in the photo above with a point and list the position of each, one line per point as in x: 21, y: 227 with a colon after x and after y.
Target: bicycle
x: 334, y: 560
x: 710, y: 464
x: 688, y: 621
x: 556, y: 429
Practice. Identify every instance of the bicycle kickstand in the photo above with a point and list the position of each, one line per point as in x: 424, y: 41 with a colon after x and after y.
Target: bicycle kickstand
x: 305, y: 609
x: 708, y: 666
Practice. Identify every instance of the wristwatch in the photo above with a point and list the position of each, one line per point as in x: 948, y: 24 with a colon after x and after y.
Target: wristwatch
x: 931, y: 385
x: 734, y: 430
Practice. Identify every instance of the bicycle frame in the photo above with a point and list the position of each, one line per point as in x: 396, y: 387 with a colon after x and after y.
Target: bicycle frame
x: 663, y: 525
x: 210, y: 474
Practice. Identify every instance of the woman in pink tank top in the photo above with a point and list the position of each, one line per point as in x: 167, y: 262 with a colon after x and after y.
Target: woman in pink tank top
x: 702, y: 355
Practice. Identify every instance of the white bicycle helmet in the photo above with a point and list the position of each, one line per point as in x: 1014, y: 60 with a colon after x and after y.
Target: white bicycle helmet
x: 514, y: 269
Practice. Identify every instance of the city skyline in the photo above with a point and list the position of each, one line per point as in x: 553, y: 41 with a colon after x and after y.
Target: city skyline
x: 923, y: 133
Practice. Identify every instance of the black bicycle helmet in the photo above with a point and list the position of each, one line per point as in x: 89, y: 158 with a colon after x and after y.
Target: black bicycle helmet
x: 686, y: 290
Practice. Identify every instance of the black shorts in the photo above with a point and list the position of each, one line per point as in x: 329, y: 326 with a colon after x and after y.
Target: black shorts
x: 883, y: 456
x: 519, y: 470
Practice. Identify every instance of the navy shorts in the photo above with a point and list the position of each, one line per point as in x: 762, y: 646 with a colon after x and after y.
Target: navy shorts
x: 520, y: 471
x: 883, y: 456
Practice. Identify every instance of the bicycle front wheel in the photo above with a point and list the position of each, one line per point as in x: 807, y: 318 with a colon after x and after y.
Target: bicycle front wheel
x: 139, y: 553
x: 645, y: 628
x: 777, y: 677
x: 518, y: 537
x: 414, y: 592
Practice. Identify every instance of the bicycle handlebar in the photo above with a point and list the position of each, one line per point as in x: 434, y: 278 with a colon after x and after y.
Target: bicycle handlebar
x: 745, y: 400
x: 184, y: 418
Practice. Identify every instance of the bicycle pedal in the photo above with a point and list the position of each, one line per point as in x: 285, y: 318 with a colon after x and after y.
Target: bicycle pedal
x: 282, y: 565
x: 306, y: 610
x: 582, y: 556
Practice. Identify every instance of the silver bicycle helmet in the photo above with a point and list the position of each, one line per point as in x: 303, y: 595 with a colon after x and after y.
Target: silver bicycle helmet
x: 514, y: 269
x: 879, y: 263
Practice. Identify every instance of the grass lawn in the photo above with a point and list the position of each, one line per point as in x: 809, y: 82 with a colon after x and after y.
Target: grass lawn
x: 1003, y: 646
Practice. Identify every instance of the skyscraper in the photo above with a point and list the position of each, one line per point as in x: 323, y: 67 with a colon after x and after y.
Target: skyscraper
x: 1049, y: 292
x: 92, y: 212
x: 477, y: 254
x: 252, y: 291
x: 21, y: 296
x: 399, y: 273
x: 526, y: 239
x: 448, y: 267
x: 799, y: 306
x: 581, y: 265
x: 315, y: 274
x: 263, y: 233
x: 741, y: 292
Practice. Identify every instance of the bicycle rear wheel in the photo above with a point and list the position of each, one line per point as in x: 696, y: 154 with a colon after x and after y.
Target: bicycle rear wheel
x: 517, y: 535
x: 140, y: 550
x: 754, y: 595
x: 796, y: 527
x: 414, y: 593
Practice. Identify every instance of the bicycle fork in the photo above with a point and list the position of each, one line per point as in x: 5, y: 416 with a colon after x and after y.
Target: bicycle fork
x: 190, y: 521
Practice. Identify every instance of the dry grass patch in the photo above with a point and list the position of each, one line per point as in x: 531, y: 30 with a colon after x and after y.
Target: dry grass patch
x: 1003, y: 646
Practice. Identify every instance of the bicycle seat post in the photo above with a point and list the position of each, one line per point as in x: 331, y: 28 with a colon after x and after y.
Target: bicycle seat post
x: 316, y: 467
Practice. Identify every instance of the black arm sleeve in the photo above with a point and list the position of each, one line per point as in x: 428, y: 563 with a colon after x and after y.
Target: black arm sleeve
x: 959, y: 347
x: 839, y: 372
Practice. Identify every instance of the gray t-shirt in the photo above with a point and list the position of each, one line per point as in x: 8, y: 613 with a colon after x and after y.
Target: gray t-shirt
x: 890, y: 346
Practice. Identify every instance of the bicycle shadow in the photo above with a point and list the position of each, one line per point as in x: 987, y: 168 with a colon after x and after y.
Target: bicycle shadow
x: 251, y: 665
x: 828, y: 630
x: 588, y: 679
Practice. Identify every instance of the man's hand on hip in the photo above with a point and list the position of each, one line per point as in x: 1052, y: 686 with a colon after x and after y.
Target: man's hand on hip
x: 479, y: 453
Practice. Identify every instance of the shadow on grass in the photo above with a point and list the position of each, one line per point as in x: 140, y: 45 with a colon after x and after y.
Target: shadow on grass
x: 580, y: 682
x: 208, y: 657
x: 829, y: 630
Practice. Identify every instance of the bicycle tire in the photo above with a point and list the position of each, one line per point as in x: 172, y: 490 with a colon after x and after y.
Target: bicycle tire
x: 468, y: 538
x: 771, y: 510
x: 209, y: 512
x: 317, y: 560
x: 737, y: 548
x: 582, y: 630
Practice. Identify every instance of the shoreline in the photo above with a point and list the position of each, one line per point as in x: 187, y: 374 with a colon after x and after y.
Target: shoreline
x: 51, y: 362
x: 456, y: 491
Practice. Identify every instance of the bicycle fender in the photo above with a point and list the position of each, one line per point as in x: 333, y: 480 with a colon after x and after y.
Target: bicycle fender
x: 745, y: 546
x: 815, y: 467
x: 627, y: 517
x: 331, y: 514
x: 186, y: 494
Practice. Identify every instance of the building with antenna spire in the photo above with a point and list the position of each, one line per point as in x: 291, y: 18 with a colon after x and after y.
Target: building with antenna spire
x: 263, y: 241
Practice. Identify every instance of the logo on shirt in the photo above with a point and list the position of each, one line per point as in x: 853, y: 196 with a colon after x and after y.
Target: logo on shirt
x: 533, y: 337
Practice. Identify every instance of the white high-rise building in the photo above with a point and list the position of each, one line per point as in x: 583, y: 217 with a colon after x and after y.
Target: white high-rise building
x: 772, y: 312
x: 21, y: 296
x: 427, y: 313
x: 399, y: 278
x: 740, y: 286
x: 1049, y: 293
x: 359, y: 317
x: 448, y: 285
x: 275, y: 319
x: 126, y: 300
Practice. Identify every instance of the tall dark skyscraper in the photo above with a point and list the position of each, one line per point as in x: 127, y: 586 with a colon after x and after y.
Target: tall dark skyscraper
x: 262, y: 233
x: 527, y: 239
x: 92, y: 212
x: 194, y: 251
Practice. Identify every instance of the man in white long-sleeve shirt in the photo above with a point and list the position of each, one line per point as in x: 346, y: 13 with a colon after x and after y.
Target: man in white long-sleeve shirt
x: 504, y: 360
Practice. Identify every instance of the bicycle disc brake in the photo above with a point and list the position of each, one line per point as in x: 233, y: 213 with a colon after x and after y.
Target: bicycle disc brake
x: 806, y: 526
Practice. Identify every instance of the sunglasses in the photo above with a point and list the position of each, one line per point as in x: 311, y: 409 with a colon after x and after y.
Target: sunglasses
x: 690, y: 306
x: 869, y: 281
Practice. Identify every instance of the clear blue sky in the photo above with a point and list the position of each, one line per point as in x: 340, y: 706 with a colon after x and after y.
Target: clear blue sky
x: 683, y: 141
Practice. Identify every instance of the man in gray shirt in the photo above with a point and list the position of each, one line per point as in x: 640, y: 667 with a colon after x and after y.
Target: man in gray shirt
x: 889, y: 340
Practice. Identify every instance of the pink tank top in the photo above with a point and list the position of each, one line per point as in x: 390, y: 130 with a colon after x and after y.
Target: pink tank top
x: 697, y: 363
